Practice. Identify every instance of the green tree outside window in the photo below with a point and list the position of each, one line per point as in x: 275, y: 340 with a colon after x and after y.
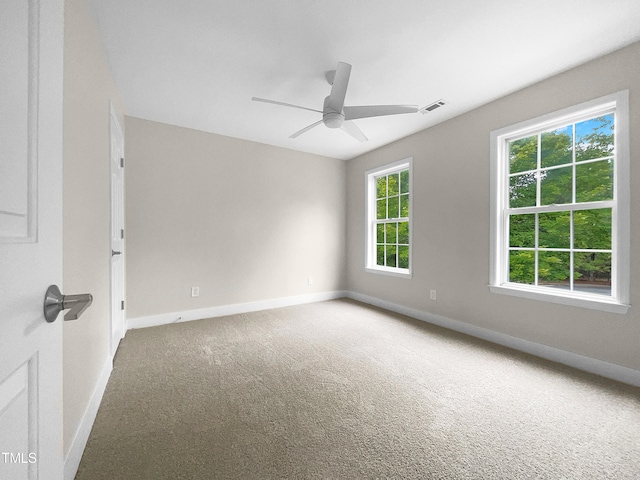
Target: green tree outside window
x: 571, y: 165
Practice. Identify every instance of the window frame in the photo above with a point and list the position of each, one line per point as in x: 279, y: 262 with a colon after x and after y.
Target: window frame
x: 618, y: 302
x: 370, y: 220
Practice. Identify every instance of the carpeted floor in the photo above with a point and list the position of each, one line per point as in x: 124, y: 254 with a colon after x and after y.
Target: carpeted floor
x: 339, y: 390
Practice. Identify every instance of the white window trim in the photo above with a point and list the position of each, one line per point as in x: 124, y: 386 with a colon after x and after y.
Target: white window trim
x: 620, y: 295
x: 370, y: 211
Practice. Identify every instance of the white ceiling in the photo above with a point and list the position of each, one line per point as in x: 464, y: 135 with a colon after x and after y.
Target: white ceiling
x: 197, y: 63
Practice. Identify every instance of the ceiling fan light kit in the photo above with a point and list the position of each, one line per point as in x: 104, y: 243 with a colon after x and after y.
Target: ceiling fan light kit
x: 334, y: 112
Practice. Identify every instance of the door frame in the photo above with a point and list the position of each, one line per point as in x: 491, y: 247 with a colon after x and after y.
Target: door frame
x: 117, y: 316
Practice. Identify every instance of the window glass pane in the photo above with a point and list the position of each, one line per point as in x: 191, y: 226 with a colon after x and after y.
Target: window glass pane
x: 594, y: 138
x: 554, y: 269
x: 404, y: 205
x: 554, y: 230
x: 592, y: 272
x: 394, y: 211
x: 556, y: 186
x: 381, y: 187
x: 556, y: 147
x: 522, y: 230
x: 380, y: 233
x: 523, y: 154
x: 389, y: 240
x: 391, y: 233
x: 592, y: 229
x: 404, y: 181
x: 391, y: 256
x: 522, y: 190
x: 403, y: 232
x: 394, y: 183
x: 594, y: 181
x: 403, y: 257
x: 381, y: 209
x: 522, y: 266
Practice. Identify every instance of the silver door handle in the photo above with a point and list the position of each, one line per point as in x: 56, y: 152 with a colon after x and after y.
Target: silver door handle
x: 113, y: 252
x: 55, y: 302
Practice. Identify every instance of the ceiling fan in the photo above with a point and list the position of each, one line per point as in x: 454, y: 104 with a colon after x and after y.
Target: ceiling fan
x: 335, y: 114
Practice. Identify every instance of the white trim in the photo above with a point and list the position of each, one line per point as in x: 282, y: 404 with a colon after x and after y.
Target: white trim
x: 389, y: 167
x: 620, y: 299
x: 72, y: 461
x: 575, y: 113
x: 539, y: 293
x: 113, y: 345
x: 623, y: 196
x: 211, y: 312
x: 575, y: 360
x: 392, y: 272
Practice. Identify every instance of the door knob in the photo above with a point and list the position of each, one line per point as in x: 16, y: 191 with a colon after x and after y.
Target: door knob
x: 113, y: 252
x: 55, y: 302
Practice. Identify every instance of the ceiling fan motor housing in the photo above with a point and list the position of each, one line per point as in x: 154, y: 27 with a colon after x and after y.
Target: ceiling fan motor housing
x: 335, y: 114
x: 330, y: 117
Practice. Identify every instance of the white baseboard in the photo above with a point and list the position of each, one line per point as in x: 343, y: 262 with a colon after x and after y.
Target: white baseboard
x: 175, y: 317
x: 72, y: 461
x: 581, y: 362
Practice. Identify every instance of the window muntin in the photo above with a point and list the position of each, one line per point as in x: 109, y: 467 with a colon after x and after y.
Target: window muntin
x: 560, y: 205
x: 388, y: 219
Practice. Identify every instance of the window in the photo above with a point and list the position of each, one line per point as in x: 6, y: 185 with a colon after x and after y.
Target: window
x: 560, y: 207
x: 389, y: 219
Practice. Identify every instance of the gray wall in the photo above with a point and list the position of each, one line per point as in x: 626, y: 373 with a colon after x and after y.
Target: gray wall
x: 241, y: 220
x: 88, y: 87
x: 451, y: 219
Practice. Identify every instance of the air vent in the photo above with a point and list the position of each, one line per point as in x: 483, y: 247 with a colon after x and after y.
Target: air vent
x: 431, y: 107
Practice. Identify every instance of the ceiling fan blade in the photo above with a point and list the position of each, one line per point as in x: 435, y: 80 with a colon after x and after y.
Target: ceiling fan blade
x: 305, y: 129
x: 257, y: 99
x: 366, y: 111
x: 353, y: 130
x: 339, y: 87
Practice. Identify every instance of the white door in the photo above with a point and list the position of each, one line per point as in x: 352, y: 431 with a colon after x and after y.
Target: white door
x: 31, y: 46
x: 117, y: 233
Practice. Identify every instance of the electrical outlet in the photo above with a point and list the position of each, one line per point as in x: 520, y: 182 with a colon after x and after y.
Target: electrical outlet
x: 310, y: 281
x: 432, y: 294
x: 195, y: 291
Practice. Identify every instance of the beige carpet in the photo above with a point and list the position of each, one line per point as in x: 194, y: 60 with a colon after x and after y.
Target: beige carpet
x: 342, y: 390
